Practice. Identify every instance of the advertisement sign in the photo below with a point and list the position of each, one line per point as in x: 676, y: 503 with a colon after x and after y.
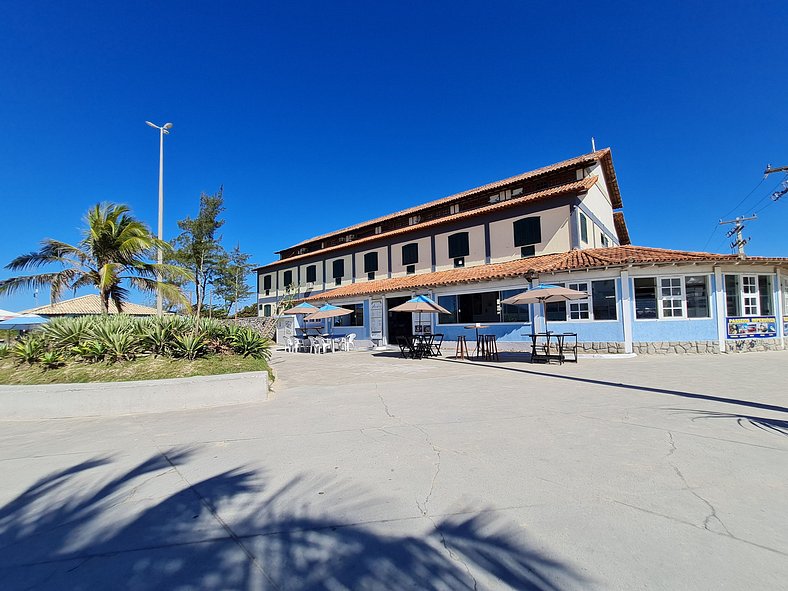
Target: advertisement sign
x: 785, y: 326
x: 376, y: 320
x: 752, y: 327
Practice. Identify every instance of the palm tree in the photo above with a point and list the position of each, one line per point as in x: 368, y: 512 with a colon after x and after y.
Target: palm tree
x: 115, y: 250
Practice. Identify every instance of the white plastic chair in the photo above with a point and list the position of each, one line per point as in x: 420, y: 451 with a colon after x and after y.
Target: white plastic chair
x: 289, y: 345
x: 349, y: 344
x: 319, y: 344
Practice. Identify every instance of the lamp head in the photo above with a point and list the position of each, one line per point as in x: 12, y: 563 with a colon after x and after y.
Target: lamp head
x: 152, y: 125
x: 168, y: 126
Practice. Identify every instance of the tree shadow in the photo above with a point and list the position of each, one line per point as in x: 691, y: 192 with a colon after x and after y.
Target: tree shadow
x: 768, y: 424
x: 82, y: 528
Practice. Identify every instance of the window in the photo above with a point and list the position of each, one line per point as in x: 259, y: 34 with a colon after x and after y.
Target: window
x: 750, y: 300
x: 370, y: 262
x: 267, y: 310
x: 354, y: 319
x: 371, y: 276
x: 578, y: 309
x: 311, y: 274
x: 645, y: 298
x: 410, y: 254
x: 603, y: 240
x: 696, y: 290
x: 410, y: 269
x: 671, y: 297
x: 765, y: 291
x: 459, y: 262
x: 287, y: 278
x: 732, y: 295
x: 338, y: 271
x: 511, y: 313
x: 517, y: 191
x: 527, y: 231
x: 527, y: 251
x: 481, y: 307
x: 583, y: 228
x: 378, y: 229
x: 455, y: 208
x: 267, y: 284
x: 413, y: 220
x: 458, y: 245
x: 603, y: 298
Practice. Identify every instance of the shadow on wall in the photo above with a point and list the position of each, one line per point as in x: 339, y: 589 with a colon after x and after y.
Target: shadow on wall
x: 82, y: 528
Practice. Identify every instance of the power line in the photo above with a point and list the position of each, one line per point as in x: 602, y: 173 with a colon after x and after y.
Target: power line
x: 755, y: 188
x: 769, y: 194
x: 776, y: 195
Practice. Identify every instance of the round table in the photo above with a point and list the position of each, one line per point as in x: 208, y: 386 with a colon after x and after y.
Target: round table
x: 477, y: 327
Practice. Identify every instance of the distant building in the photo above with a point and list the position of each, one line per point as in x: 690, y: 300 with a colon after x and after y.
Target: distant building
x: 88, y: 305
x: 561, y: 224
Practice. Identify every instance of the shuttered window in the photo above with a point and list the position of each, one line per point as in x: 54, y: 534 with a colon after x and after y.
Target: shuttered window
x: 370, y: 262
x: 287, y: 277
x: 338, y: 268
x: 527, y: 231
x: 458, y: 245
x: 410, y: 254
x: 267, y: 283
x: 311, y: 274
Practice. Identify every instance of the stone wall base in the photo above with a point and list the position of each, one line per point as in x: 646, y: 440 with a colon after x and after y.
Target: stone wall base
x: 746, y: 345
x: 675, y: 347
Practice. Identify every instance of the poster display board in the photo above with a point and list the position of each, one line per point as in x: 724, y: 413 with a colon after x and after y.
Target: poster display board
x: 376, y: 320
x: 785, y: 326
x: 751, y: 327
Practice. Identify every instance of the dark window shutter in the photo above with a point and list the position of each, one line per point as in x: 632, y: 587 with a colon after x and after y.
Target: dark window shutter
x: 370, y: 262
x: 267, y: 282
x: 527, y: 231
x: 339, y: 269
x: 311, y: 274
x: 458, y: 245
x: 410, y: 254
x: 288, y: 278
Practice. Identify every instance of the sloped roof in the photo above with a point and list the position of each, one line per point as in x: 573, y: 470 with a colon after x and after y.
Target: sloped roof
x: 591, y: 258
x: 88, y: 305
x: 603, y: 156
x: 621, y: 228
x: 580, y: 186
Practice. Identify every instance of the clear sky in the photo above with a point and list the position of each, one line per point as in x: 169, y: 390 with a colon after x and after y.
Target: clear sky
x: 317, y: 115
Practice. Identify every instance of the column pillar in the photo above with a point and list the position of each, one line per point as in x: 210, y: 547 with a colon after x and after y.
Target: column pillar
x: 720, y: 309
x: 626, y: 311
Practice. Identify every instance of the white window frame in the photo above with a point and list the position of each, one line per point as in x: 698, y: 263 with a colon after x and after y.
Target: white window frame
x: 574, y: 284
x: 660, y: 315
x: 579, y: 286
x: 745, y: 295
x: 664, y: 299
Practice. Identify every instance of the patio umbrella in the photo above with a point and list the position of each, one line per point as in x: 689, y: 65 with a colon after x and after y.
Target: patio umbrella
x: 5, y: 315
x: 328, y: 311
x: 544, y: 293
x: 302, y: 309
x: 420, y: 304
x: 23, y: 322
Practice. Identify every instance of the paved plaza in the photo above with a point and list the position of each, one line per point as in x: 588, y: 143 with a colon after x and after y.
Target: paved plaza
x: 368, y: 471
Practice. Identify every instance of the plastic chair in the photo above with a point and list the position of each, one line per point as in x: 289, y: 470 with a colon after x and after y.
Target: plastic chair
x: 289, y: 345
x: 350, y: 343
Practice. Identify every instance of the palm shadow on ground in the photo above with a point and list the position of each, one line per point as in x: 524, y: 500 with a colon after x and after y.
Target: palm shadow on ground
x: 90, y: 527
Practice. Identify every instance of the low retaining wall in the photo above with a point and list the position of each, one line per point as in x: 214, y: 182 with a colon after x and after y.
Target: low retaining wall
x: 58, y: 401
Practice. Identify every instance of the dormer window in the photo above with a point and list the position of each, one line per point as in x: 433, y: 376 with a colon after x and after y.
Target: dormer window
x: 378, y: 229
x: 517, y: 191
x: 413, y: 220
x: 454, y: 209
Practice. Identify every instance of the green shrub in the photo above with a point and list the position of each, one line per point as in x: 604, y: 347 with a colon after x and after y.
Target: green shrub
x: 249, y: 343
x: 120, y: 346
x: 51, y: 359
x: 157, y: 338
x: 90, y: 351
x: 29, y: 349
x: 5, y: 351
x: 190, y: 346
x: 64, y: 333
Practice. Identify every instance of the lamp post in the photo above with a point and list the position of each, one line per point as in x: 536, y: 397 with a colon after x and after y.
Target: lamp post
x: 163, y: 130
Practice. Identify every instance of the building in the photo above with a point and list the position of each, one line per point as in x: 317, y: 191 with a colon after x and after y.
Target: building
x: 561, y: 224
x: 87, y: 305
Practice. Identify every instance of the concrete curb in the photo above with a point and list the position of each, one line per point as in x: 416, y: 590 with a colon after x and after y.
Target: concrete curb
x: 102, y: 399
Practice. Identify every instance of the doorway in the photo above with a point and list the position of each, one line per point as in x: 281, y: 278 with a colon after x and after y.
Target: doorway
x: 400, y: 324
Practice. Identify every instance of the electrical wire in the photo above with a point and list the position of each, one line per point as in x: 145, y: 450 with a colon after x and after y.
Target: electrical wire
x: 755, y: 188
x: 769, y: 194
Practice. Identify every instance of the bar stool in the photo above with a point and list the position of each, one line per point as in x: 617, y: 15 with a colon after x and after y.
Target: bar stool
x: 461, y: 352
x: 490, y: 347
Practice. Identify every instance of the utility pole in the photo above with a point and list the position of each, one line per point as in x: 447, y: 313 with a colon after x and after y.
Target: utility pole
x: 737, y: 231
x: 769, y: 170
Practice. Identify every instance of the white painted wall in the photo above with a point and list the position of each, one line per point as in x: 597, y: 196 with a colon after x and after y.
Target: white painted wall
x: 555, y: 235
x: 475, y: 244
x: 425, y: 257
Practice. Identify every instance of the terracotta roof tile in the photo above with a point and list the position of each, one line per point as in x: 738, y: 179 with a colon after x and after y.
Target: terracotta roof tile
x: 580, y: 186
x: 604, y: 156
x: 88, y: 305
x: 592, y: 258
x: 621, y: 228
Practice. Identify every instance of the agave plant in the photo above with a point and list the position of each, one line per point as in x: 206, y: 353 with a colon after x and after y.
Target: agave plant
x: 249, y: 343
x: 5, y: 351
x: 64, y: 333
x: 121, y: 346
x: 91, y: 351
x: 190, y: 346
x: 157, y: 338
x: 29, y: 350
x: 51, y: 359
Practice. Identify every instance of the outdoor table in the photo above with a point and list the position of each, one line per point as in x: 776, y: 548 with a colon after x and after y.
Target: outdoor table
x: 546, y: 356
x: 476, y: 352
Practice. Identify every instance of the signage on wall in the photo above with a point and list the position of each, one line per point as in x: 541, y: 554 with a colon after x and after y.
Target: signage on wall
x: 785, y: 326
x: 752, y: 327
x: 376, y: 319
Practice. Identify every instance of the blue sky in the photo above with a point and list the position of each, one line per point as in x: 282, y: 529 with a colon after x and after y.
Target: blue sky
x: 351, y: 110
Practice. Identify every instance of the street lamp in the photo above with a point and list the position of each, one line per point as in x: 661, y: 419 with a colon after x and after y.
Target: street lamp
x: 163, y: 130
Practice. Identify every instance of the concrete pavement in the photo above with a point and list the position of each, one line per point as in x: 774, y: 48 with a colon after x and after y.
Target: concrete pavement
x: 367, y: 471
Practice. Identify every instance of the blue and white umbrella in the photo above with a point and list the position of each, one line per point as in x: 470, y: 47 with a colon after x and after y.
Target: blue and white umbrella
x: 23, y: 322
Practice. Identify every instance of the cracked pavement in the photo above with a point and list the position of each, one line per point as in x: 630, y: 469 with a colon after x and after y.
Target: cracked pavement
x: 367, y: 471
